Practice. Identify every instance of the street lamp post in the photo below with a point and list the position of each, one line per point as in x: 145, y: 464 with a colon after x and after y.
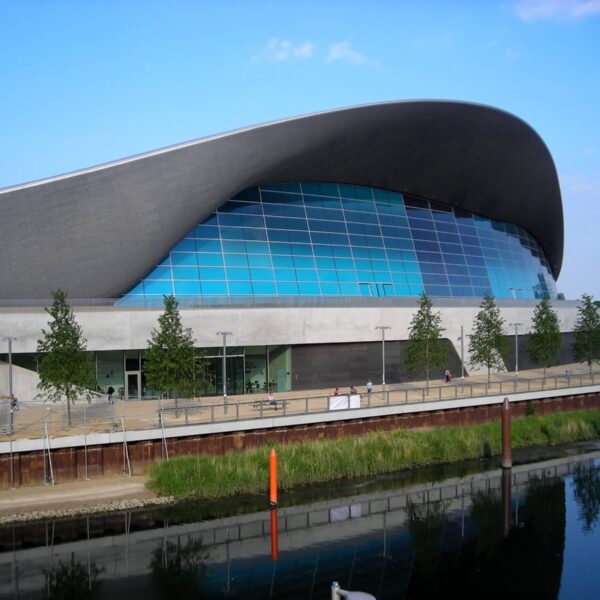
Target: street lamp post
x: 516, y: 326
x: 224, y: 334
x: 10, y: 339
x: 462, y: 351
x: 383, y: 328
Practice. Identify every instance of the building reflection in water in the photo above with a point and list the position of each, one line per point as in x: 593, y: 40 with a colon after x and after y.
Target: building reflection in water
x: 483, y: 535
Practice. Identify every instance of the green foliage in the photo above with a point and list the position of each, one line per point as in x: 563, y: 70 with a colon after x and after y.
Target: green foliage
x: 64, y: 368
x: 359, y: 456
x: 545, y: 339
x: 425, y: 349
x: 171, y: 363
x: 586, y: 347
x: 487, y: 344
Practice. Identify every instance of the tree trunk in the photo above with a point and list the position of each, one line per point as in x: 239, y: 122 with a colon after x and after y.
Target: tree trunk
x: 68, y: 407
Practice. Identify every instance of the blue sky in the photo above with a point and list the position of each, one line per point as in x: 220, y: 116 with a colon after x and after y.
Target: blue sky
x: 87, y: 82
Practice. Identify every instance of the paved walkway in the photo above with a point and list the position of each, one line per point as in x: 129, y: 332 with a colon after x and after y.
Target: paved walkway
x: 33, y: 418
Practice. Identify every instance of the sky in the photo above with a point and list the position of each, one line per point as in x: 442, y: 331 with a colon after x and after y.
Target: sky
x: 87, y: 82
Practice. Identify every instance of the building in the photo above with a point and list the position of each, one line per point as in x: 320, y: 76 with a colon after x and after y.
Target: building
x: 301, y: 237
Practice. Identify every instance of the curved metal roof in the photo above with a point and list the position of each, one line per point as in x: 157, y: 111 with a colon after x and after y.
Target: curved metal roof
x: 96, y: 232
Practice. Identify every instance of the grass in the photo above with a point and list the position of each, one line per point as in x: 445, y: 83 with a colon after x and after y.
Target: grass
x: 352, y: 457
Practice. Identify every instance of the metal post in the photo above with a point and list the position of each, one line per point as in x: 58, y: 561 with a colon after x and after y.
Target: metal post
x: 125, y: 449
x: 462, y: 351
x: 383, y: 328
x: 10, y: 339
x: 49, y: 455
x: 516, y: 326
x: 224, y: 334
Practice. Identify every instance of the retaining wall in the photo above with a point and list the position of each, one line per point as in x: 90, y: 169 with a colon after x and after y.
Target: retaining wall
x: 32, y: 468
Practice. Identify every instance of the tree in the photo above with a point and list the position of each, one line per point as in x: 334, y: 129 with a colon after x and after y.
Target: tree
x: 425, y: 349
x: 545, y: 339
x: 487, y: 344
x: 586, y: 347
x: 65, y: 368
x: 170, y: 360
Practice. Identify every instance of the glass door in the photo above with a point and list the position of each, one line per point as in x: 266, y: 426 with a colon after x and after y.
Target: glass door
x: 133, y: 385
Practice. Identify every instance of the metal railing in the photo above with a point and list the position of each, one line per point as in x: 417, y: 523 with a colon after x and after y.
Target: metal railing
x: 34, y: 418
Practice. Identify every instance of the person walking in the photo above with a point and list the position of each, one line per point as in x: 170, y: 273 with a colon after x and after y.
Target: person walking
x: 369, y: 389
x: 109, y: 392
x: 447, y: 375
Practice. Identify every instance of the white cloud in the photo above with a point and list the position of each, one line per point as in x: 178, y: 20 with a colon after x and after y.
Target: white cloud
x: 344, y: 51
x: 531, y: 10
x: 280, y: 50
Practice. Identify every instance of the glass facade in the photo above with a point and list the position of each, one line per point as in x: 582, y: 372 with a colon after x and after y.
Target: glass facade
x: 324, y: 239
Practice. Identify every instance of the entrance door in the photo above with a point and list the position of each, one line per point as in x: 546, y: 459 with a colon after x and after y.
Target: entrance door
x: 133, y: 385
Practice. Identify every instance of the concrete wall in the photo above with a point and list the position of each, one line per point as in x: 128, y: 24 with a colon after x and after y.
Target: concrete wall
x: 111, y: 328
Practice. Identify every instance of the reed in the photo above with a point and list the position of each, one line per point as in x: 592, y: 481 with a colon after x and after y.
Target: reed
x: 352, y: 457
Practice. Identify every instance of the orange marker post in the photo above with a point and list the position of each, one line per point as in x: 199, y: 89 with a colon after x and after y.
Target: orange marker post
x: 273, y: 478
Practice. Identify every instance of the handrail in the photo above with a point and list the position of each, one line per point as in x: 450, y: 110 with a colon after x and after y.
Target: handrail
x: 37, y: 420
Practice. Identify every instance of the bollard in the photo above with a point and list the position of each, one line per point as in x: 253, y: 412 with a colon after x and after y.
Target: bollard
x: 274, y: 535
x: 506, y: 435
x: 273, y: 478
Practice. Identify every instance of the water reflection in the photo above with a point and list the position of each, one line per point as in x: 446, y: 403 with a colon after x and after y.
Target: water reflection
x: 475, y: 534
x: 586, y: 490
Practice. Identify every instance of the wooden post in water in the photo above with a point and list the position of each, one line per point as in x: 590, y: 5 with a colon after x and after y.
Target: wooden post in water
x: 506, y: 436
x: 506, y: 501
x: 273, y: 478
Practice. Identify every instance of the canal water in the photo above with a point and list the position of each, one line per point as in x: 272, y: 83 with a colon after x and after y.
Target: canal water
x: 466, y: 531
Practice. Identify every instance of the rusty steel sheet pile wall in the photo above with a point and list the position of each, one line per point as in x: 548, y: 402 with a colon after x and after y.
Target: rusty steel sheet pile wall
x: 70, y: 463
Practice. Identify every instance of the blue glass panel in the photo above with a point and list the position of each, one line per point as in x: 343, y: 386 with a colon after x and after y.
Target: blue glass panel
x: 382, y: 276
x: 206, y: 231
x: 285, y: 274
x: 261, y: 274
x: 214, y: 288
x: 341, y: 251
x: 234, y: 247
x: 158, y: 287
x: 327, y: 275
x: 346, y: 276
x: 321, y: 249
x: 309, y: 289
x: 438, y: 290
x: 236, y: 260
x: 237, y: 274
x: 314, y: 212
x: 208, y: 245
x: 185, y: 273
x: 325, y: 263
x: 180, y: 258
x: 306, y: 275
x: 304, y: 262
x: 287, y: 289
x: 187, y: 288
x: 259, y: 260
x: 240, y: 288
x: 211, y: 273
x: 137, y: 290
x: 263, y: 288
x: 349, y: 289
x: 160, y: 273
x: 322, y: 189
x: 330, y: 289
x: 185, y: 245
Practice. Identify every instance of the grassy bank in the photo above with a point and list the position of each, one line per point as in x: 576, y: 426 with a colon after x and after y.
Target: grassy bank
x: 351, y: 457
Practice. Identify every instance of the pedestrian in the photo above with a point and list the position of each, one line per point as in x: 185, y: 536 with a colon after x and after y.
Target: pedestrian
x: 353, y: 390
x: 13, y: 403
x: 447, y: 375
x: 337, y: 392
x: 369, y: 388
x: 109, y: 392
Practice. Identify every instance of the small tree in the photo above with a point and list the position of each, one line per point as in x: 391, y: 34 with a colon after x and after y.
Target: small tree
x: 487, y: 344
x: 65, y: 369
x: 586, y: 347
x: 545, y: 339
x: 425, y: 349
x: 170, y: 360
